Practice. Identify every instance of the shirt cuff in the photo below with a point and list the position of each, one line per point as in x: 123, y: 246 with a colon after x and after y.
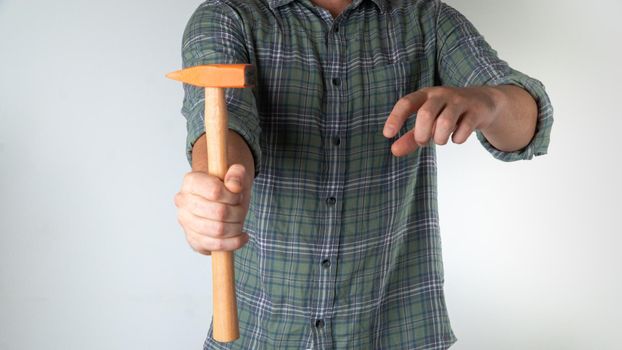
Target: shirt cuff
x: 538, y: 145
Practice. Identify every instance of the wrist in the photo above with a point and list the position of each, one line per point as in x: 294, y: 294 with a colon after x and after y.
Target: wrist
x: 497, y: 100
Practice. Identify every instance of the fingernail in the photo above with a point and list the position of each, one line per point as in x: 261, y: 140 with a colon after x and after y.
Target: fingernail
x: 235, y: 180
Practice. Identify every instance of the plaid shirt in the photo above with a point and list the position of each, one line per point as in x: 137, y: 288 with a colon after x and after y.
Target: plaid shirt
x: 344, y: 250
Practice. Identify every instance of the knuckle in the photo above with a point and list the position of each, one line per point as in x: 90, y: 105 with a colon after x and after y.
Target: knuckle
x: 192, y: 243
x: 221, y: 211
x: 215, y: 244
x: 424, y: 114
x: 477, y: 109
x: 211, y: 228
x: 440, y: 140
x: 236, y: 213
x: 421, y: 139
x: 457, y: 99
x: 241, y: 241
x: 429, y: 91
x: 406, y: 102
x: 189, y: 179
x: 437, y: 91
x: 200, y: 226
x: 444, y: 123
x: 225, y: 211
x: 468, y: 124
x: 448, y: 90
x: 218, y: 230
x: 214, y: 191
x: 182, y: 218
x: 205, y: 244
x: 194, y: 246
x: 185, y: 203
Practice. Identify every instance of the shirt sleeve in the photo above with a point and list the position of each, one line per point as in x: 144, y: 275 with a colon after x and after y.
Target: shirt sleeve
x: 466, y: 59
x: 214, y: 34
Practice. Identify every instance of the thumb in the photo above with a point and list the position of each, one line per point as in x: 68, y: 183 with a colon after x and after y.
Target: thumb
x: 234, y: 178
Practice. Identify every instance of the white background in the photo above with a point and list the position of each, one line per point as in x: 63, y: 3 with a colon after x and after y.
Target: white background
x: 92, y: 151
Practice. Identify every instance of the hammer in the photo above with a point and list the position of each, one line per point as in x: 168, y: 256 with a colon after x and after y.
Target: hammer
x: 214, y: 78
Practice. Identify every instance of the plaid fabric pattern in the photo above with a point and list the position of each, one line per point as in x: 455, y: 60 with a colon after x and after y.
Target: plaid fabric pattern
x: 345, y: 249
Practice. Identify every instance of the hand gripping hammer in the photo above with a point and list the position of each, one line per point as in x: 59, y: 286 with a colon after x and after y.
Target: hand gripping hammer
x: 214, y: 78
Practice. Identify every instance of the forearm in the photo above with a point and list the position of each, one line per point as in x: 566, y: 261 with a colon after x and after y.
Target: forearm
x: 238, y: 152
x: 515, y: 124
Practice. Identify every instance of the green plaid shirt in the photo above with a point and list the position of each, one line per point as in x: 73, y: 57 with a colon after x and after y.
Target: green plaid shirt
x: 345, y: 250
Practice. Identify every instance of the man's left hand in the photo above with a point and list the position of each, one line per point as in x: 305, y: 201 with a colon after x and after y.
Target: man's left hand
x: 441, y: 112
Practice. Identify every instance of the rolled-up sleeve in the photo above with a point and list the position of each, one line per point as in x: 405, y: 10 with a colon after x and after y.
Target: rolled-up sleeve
x: 213, y: 35
x: 466, y: 59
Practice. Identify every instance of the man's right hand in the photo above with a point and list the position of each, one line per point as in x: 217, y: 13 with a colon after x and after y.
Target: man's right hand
x: 211, y: 212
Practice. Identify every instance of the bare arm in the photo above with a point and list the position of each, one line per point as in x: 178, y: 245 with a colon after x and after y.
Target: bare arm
x: 237, y: 153
x: 515, y: 123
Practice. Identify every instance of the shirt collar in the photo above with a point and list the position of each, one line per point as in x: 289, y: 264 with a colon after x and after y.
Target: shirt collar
x: 382, y: 4
x: 278, y: 3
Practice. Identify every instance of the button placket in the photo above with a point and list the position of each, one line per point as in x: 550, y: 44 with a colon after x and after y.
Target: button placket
x: 326, y: 263
x: 335, y: 154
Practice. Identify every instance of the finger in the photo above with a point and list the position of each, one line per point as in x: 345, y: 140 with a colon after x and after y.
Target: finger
x: 403, y: 109
x: 234, y: 178
x: 426, y: 117
x: 465, y: 128
x: 404, y: 145
x: 446, y: 124
x: 206, y: 227
x: 209, y: 187
x: 194, y: 243
x: 206, y: 243
x: 205, y: 209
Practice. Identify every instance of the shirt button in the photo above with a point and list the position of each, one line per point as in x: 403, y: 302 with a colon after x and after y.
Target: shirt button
x: 325, y: 263
x: 331, y: 201
x: 319, y: 324
x: 336, y: 29
x: 336, y: 81
x: 336, y: 140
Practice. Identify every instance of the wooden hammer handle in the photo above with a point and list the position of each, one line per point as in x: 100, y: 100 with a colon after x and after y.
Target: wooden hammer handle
x: 225, y: 325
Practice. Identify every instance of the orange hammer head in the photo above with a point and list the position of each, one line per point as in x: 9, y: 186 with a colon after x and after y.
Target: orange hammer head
x: 217, y: 75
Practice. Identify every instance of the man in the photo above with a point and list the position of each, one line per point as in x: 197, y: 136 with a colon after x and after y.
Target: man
x: 331, y: 198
